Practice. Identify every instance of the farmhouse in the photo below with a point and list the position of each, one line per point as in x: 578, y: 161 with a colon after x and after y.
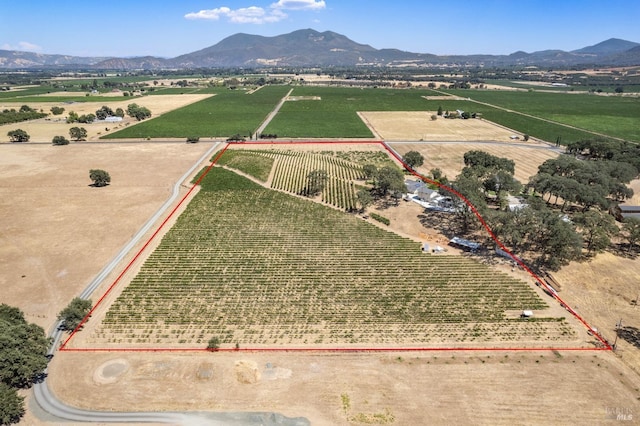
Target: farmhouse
x: 420, y: 193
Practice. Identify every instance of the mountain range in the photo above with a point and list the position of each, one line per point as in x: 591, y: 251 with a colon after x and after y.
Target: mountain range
x: 310, y: 48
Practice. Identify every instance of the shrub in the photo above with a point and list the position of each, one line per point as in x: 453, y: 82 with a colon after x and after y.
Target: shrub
x: 380, y: 219
x: 60, y: 140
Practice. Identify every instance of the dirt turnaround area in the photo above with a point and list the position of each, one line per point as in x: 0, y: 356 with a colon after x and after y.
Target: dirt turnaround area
x: 489, y: 388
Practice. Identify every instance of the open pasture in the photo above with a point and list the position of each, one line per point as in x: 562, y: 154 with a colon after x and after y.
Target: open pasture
x: 262, y: 268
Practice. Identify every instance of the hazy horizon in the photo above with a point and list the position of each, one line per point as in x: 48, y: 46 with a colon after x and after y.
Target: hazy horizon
x: 156, y: 28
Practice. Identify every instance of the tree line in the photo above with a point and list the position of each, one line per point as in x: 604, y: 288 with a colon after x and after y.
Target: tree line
x: 567, y: 204
x: 24, y: 354
x: 25, y: 113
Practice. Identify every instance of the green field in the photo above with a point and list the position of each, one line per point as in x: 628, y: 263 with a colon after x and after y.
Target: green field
x: 614, y: 116
x: 258, y: 267
x: 332, y: 113
x: 227, y: 113
x: 335, y: 114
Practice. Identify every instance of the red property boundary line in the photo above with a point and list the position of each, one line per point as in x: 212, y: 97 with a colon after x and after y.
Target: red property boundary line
x: 605, y: 344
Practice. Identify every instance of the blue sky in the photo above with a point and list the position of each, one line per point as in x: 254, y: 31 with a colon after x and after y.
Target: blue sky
x: 168, y: 28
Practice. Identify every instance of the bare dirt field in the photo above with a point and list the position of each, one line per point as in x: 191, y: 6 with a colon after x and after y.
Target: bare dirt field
x: 58, y: 232
x: 43, y: 130
x: 418, y: 126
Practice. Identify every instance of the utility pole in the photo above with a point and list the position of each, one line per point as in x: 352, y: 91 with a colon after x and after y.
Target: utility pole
x: 618, y: 327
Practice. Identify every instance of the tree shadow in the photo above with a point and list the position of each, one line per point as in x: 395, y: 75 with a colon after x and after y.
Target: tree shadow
x: 630, y: 335
x: 623, y: 250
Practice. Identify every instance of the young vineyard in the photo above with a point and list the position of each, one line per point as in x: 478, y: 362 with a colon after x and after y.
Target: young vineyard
x: 292, y: 168
x: 257, y: 267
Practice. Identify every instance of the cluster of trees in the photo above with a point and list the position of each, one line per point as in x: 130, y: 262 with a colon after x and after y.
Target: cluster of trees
x: 74, y: 313
x: 541, y: 232
x: 138, y: 112
x: 105, y: 112
x: 25, y: 113
x: 600, y: 149
x: 584, y: 183
x: 133, y: 110
x: 23, y: 358
x: 73, y: 117
x: 385, y: 181
x: 538, y: 234
x: 268, y: 136
x: 76, y: 133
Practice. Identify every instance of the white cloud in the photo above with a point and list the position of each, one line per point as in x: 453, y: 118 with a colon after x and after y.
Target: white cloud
x: 23, y: 46
x: 255, y: 14
x: 299, y: 4
x: 245, y: 15
x: 212, y: 14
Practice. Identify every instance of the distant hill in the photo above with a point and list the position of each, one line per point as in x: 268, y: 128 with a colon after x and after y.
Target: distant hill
x: 17, y: 59
x: 310, y: 48
x: 608, y: 47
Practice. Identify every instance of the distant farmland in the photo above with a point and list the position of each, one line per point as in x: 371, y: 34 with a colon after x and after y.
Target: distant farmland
x: 225, y: 114
x: 615, y: 116
x: 331, y: 112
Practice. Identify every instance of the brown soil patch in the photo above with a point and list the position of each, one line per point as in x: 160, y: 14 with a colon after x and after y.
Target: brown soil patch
x: 247, y: 371
x: 59, y: 232
x: 635, y: 200
x: 418, y: 125
x: 44, y: 129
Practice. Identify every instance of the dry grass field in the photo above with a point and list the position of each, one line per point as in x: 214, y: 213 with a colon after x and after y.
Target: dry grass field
x: 449, y: 157
x: 43, y: 130
x: 418, y: 126
x: 58, y: 232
